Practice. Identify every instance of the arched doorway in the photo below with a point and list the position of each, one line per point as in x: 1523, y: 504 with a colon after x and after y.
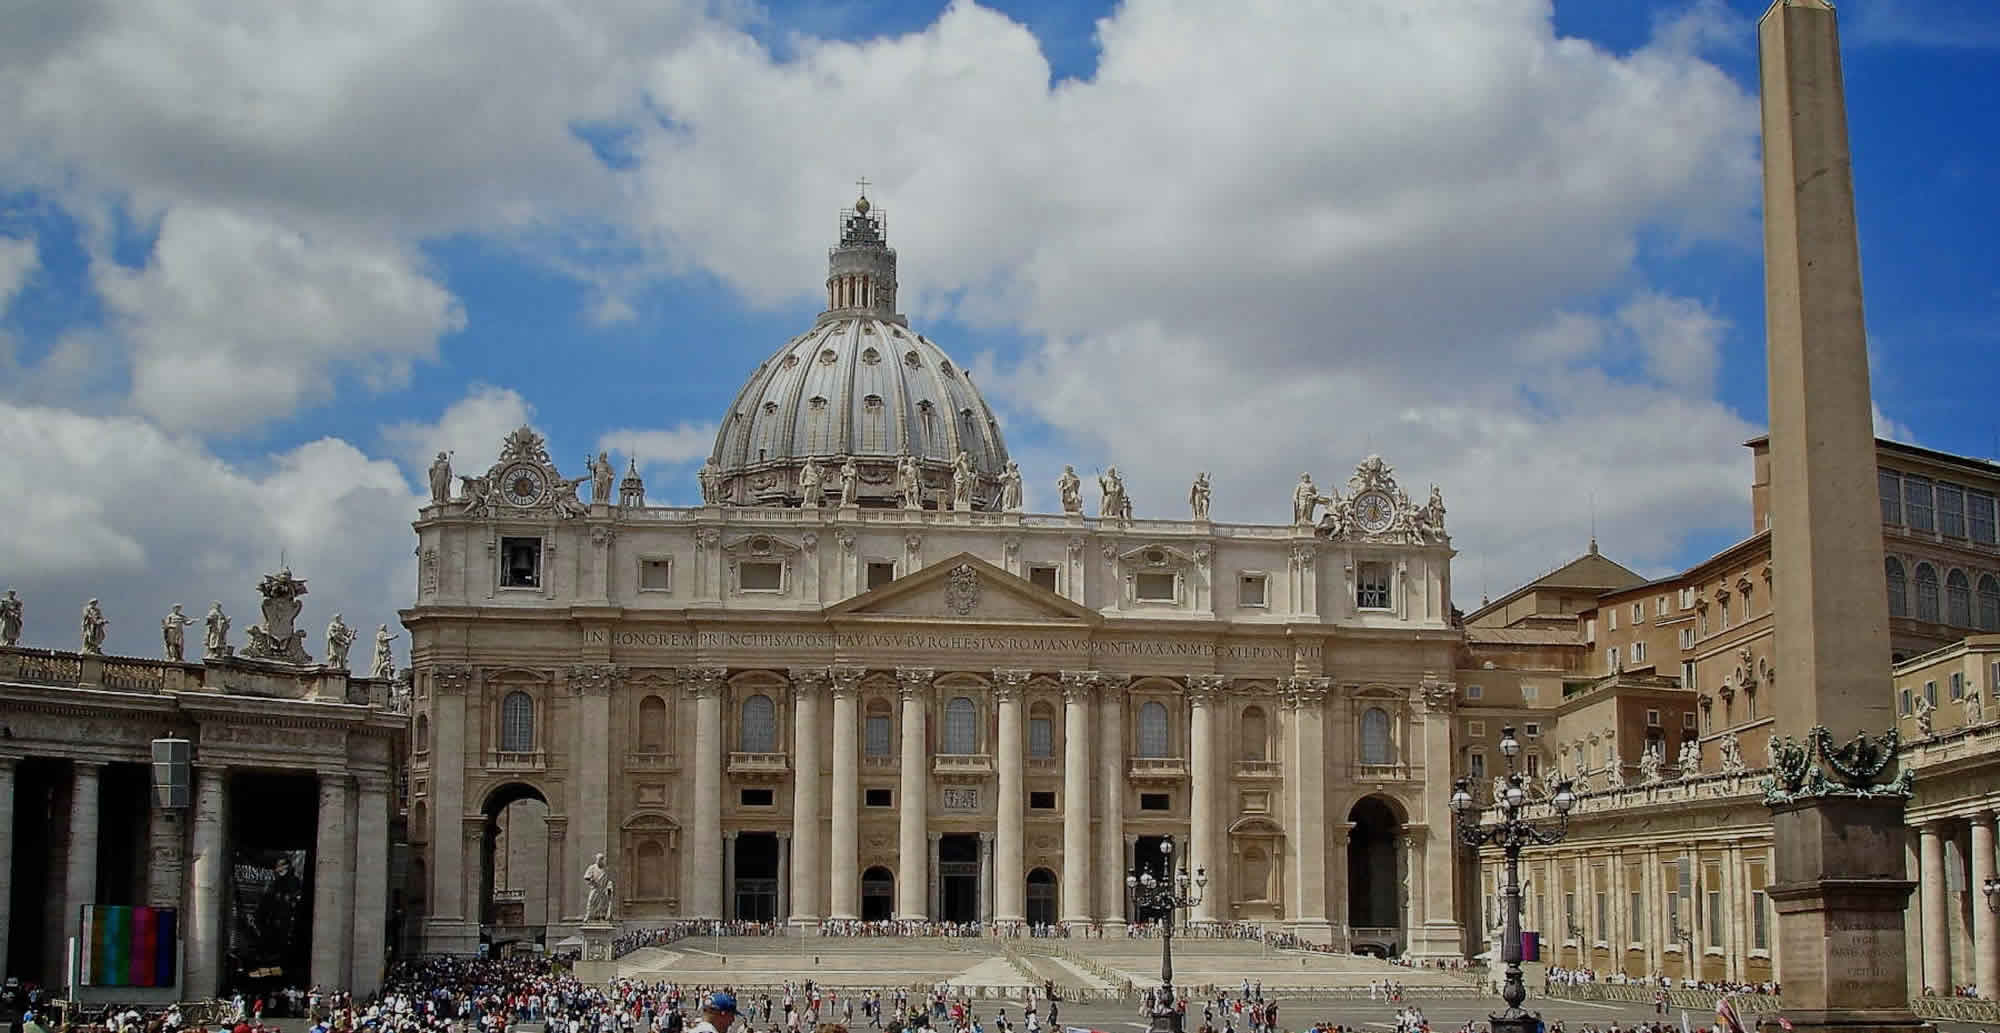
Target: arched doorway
x: 514, y: 861
x: 958, y: 878
x: 878, y: 894
x: 1147, y: 856
x: 1374, y: 875
x: 1041, y: 897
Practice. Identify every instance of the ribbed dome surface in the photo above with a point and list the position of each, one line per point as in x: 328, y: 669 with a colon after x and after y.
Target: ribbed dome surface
x: 857, y: 385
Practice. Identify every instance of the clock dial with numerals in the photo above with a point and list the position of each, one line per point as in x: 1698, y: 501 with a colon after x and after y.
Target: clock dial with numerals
x: 523, y: 485
x: 1374, y: 512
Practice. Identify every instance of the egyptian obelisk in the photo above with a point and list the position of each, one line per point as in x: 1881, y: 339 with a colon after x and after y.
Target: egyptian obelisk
x: 1840, y: 890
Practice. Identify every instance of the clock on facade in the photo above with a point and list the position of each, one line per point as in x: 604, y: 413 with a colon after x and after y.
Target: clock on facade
x: 523, y: 485
x: 1373, y: 511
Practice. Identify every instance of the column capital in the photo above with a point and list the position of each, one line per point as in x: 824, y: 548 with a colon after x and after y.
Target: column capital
x: 1306, y: 693
x: 912, y: 682
x: 784, y: 835
x: 703, y: 682
x: 452, y: 679
x: 986, y: 838
x: 729, y: 834
x: 558, y: 826
x: 935, y: 836
x: 809, y: 681
x: 1110, y: 683
x: 1204, y: 689
x: 594, y: 679
x: 846, y: 680
x: 94, y: 768
x: 1007, y: 684
x: 1077, y: 685
x: 373, y: 783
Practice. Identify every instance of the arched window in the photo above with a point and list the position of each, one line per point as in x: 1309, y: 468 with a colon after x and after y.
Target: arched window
x: 517, y: 723
x: 1255, y: 733
x: 1041, y: 731
x: 1375, y: 736
x: 1153, y: 730
x: 1899, y: 588
x: 1927, y: 593
x: 1989, y: 603
x: 961, y: 731
x: 653, y: 725
x: 759, y: 733
x: 423, y: 734
x: 1958, y: 599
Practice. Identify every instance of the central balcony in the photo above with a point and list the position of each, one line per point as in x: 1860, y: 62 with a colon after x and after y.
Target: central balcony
x: 1260, y: 769
x: 1158, y: 770
x: 759, y: 767
x: 516, y: 760
x: 963, y: 767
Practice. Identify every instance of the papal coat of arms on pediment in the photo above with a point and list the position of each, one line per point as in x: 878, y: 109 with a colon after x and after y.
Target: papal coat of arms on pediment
x: 961, y: 590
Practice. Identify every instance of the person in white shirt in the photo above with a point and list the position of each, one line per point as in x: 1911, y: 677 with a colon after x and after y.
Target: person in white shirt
x: 717, y: 1014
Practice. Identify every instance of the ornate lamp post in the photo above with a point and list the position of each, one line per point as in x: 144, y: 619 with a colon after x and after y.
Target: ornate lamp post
x: 1512, y: 832
x: 1172, y: 891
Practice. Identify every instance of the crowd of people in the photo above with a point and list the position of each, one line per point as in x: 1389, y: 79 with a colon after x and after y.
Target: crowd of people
x: 1556, y: 976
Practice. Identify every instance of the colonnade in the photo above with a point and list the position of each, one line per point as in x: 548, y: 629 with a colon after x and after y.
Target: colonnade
x: 1946, y: 922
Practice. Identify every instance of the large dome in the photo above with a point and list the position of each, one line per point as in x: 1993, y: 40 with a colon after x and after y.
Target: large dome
x: 860, y: 384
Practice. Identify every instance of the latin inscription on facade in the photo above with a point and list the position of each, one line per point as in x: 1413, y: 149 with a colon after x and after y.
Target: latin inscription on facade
x: 1005, y: 645
x: 961, y: 799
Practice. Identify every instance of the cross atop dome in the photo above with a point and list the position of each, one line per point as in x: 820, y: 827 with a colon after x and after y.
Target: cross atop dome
x: 861, y: 270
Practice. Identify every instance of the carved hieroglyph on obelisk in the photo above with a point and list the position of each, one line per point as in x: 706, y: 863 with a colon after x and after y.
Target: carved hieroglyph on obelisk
x: 1836, y: 801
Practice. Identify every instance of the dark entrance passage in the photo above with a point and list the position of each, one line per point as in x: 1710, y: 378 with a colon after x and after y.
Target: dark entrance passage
x: 41, y: 815
x: 1371, y: 866
x: 756, y: 890
x: 958, y: 878
x: 1148, y: 857
x: 1041, y: 897
x: 523, y: 806
x: 878, y: 894
x: 273, y: 827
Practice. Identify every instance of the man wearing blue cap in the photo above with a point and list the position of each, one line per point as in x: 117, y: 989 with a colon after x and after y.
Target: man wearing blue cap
x: 717, y: 1014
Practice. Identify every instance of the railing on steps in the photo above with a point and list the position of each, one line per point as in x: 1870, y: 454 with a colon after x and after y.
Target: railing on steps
x: 1639, y: 993
x: 1957, y: 1009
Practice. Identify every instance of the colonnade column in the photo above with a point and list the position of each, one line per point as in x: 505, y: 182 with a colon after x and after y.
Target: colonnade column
x: 809, y: 869
x: 704, y: 865
x: 371, y: 885
x: 1076, y: 796
x: 1111, y: 855
x: 207, y: 870
x: 80, y: 883
x: 846, y: 827
x: 1203, y: 693
x: 1931, y: 883
x: 330, y: 859
x: 913, y: 810
x: 1011, y: 905
x: 6, y: 852
x: 1985, y: 951
x: 1306, y: 699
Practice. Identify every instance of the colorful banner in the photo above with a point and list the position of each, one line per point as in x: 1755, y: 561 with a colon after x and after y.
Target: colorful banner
x: 129, y: 946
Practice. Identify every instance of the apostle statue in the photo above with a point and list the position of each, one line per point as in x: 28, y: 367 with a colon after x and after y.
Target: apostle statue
x: 1305, y: 498
x: 1614, y: 766
x: 1925, y: 715
x: 1732, y: 755
x: 441, y: 479
x: 173, y: 629
x: 384, y: 665
x: 601, y: 475
x: 95, y: 624
x: 1650, y: 761
x: 1690, y: 760
x: 1070, y: 487
x: 909, y: 482
x: 1010, y: 488
x: 10, y: 619
x: 963, y: 479
x: 812, y: 486
x: 1112, y: 488
x: 597, y: 905
x: 850, y: 482
x: 1198, y: 496
x: 1975, y: 708
x: 711, y: 482
x: 1434, y: 512
x: 216, y: 642
x: 339, y: 637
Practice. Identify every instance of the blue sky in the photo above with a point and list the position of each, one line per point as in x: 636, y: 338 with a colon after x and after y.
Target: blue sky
x: 255, y: 264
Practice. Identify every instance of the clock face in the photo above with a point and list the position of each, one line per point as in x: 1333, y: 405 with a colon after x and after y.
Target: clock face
x: 1373, y: 511
x: 523, y: 485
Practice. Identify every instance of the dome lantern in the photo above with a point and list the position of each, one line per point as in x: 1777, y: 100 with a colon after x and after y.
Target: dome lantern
x: 861, y: 270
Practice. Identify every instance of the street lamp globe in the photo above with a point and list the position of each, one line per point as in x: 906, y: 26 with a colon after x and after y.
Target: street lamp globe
x: 1564, y: 799
x: 1200, y: 877
x: 1167, y: 846
x: 1131, y: 882
x: 1514, y: 794
x: 1146, y: 879
x: 1509, y: 745
x: 1461, y: 798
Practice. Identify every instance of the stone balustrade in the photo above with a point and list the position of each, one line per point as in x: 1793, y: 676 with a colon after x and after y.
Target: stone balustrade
x: 1157, y: 769
x: 233, y: 675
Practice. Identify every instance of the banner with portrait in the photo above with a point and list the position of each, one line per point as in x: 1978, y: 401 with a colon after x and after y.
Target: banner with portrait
x: 269, y: 935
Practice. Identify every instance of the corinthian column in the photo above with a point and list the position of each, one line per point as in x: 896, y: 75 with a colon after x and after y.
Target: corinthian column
x: 1111, y: 855
x: 1985, y: 948
x: 1306, y: 699
x: 1931, y: 883
x: 1076, y: 796
x: 207, y: 874
x: 913, y: 812
x: 1204, y: 691
x: 808, y: 863
x: 704, y: 864
x: 1011, y: 904
x: 846, y: 860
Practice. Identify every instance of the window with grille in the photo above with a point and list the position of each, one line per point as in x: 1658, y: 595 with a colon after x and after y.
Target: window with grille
x: 1957, y: 685
x: 517, y: 723
x: 1041, y: 736
x: 1930, y: 692
x: 1958, y: 599
x: 759, y: 733
x: 879, y: 734
x: 1917, y: 503
x: 961, y: 734
x: 1979, y: 514
x: 1890, y: 486
x: 1250, y: 590
x: 1927, y: 593
x: 1475, y: 692
x: 1477, y: 765
x: 1760, y: 929
x: 1950, y: 510
x: 1371, y: 586
x: 1903, y: 704
x: 1635, y: 901
x: 1603, y: 918
x: 1153, y: 730
x: 1375, y: 736
x: 1899, y: 587
x: 1714, y: 918
x: 1989, y: 603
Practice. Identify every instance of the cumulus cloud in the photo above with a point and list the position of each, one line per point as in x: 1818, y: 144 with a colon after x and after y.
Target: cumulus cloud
x: 143, y: 519
x: 471, y: 429
x: 19, y: 258
x: 1886, y: 427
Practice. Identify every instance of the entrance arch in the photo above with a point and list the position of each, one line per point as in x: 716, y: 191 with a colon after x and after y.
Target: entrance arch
x: 1041, y: 897
x: 1375, y: 876
x: 514, y: 861
x: 878, y: 894
x: 1147, y: 856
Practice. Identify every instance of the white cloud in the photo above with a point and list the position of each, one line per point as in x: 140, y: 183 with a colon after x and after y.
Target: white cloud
x: 235, y: 321
x: 1894, y: 430
x: 19, y: 258
x: 143, y: 519
x: 663, y: 447
x: 471, y: 429
x: 1680, y: 338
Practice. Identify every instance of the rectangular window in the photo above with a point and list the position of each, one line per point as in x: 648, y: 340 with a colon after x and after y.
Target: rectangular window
x: 1687, y: 638
x: 1660, y: 607
x: 1042, y: 576
x: 1917, y: 503
x: 1993, y: 679
x: 1950, y: 510
x: 1674, y: 915
x: 1611, y: 659
x: 1041, y: 737
x: 1153, y: 588
x: 1530, y: 692
x: 1957, y: 685
x: 520, y: 563
x: 1156, y: 802
x: 1652, y: 719
x: 879, y: 797
x: 1475, y: 692
x: 1979, y: 516
x: 1611, y: 618
x: 1638, y: 613
x: 1603, y: 918
x: 1760, y: 930
x: 758, y: 797
x: 761, y: 576
x: 1687, y: 598
x: 1687, y: 721
x: 880, y: 572
x: 1477, y: 761
x: 1687, y: 674
x: 1715, y: 918
x: 1042, y: 800
x: 1638, y: 652
x: 1904, y: 703
x: 656, y: 575
x: 1569, y: 914
x: 1930, y: 692
x: 1250, y: 590
x: 1890, y: 486
x: 1371, y: 586
x: 1725, y: 615
x: 1532, y: 764
x: 1636, y: 902
x: 1532, y: 729
x: 1475, y: 729
x: 878, y: 735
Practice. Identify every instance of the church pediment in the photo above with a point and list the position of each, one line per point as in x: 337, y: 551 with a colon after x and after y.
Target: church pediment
x: 964, y: 587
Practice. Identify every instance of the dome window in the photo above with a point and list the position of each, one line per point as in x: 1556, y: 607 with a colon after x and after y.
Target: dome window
x: 910, y: 359
x: 872, y: 401
x: 817, y: 402
x: 790, y: 361
x: 871, y: 356
x: 828, y: 357
x: 868, y: 328
x: 771, y: 408
x: 945, y: 368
